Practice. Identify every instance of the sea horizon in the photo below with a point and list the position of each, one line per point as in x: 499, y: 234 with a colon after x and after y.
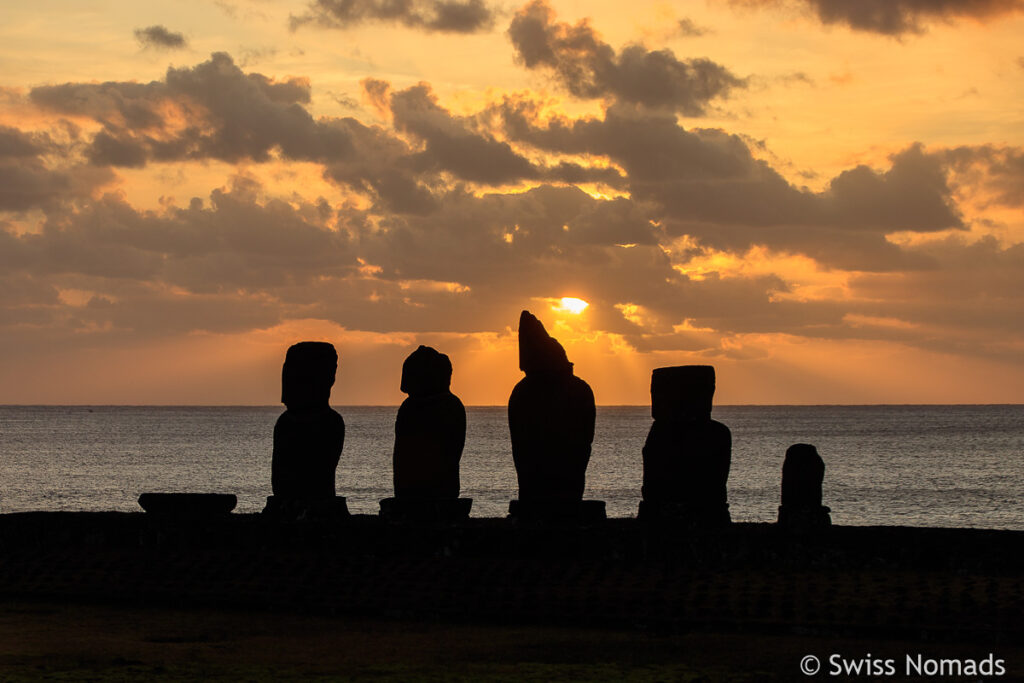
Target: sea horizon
x: 489, y: 405
x: 939, y: 465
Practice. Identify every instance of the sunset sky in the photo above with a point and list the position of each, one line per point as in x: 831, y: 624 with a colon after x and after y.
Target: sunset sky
x: 823, y: 199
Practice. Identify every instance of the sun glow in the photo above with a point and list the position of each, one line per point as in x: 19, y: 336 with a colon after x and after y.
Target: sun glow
x: 568, y: 304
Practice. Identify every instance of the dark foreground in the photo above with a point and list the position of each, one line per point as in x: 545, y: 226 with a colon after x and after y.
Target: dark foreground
x: 114, y: 596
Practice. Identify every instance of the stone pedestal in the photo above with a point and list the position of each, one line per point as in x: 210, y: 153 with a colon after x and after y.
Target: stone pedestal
x: 425, y: 510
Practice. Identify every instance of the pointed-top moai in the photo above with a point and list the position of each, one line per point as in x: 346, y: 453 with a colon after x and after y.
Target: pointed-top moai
x: 551, y: 416
x: 803, y: 473
x: 430, y: 430
x: 687, y: 454
x: 309, y: 435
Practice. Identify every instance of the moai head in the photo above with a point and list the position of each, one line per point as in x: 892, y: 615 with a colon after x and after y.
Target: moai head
x: 308, y: 375
x: 539, y: 352
x: 426, y: 372
x: 682, y: 392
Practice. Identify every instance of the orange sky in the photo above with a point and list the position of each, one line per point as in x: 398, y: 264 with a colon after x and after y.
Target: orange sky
x: 822, y: 199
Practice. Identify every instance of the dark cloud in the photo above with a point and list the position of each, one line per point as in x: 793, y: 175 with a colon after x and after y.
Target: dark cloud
x: 230, y: 115
x: 443, y: 16
x: 709, y: 185
x: 898, y: 17
x: 688, y: 29
x: 469, y: 216
x: 240, y: 241
x: 588, y: 67
x: 996, y: 171
x: 223, y: 113
x: 160, y: 37
x: 28, y: 180
x: 456, y: 145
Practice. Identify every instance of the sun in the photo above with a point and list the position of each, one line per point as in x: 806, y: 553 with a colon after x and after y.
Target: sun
x: 569, y: 304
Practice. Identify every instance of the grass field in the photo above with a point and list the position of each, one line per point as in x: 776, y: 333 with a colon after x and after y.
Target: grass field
x: 50, y: 641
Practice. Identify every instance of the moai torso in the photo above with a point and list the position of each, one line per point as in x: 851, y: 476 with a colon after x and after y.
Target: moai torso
x: 551, y: 415
x: 687, y: 454
x: 803, y: 473
x: 309, y: 435
x: 430, y: 430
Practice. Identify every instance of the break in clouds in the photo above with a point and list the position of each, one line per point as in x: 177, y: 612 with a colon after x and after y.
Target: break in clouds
x: 451, y: 222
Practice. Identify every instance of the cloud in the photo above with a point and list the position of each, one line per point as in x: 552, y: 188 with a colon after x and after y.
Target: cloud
x: 898, y: 17
x: 28, y: 180
x: 997, y: 172
x: 456, y: 145
x: 587, y: 67
x: 708, y: 184
x: 240, y: 241
x: 688, y: 29
x: 159, y: 37
x: 212, y: 110
x: 467, y: 218
x: 442, y: 16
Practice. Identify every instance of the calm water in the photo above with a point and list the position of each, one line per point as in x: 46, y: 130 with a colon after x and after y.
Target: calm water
x: 908, y: 465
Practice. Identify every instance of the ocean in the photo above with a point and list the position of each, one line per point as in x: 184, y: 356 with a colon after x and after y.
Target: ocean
x: 934, y: 466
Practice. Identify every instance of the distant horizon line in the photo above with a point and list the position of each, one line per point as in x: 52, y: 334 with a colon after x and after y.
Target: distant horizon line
x: 496, y: 405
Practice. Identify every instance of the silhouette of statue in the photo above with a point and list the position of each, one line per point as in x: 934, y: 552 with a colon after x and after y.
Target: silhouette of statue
x: 430, y: 432
x: 309, y: 435
x: 803, y: 472
x: 551, y: 416
x: 687, y: 454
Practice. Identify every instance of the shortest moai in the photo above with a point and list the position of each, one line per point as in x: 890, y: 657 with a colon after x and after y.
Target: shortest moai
x: 687, y: 454
x: 803, y: 472
x: 309, y: 435
x: 430, y: 433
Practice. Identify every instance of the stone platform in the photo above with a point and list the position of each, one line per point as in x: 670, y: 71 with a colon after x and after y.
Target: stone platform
x: 954, y: 584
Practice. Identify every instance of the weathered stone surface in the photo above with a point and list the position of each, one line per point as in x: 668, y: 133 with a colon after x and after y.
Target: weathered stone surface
x: 803, y: 473
x: 309, y: 435
x: 551, y: 415
x: 430, y: 430
x: 687, y: 454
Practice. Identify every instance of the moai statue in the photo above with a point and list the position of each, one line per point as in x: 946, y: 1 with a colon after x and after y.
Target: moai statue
x: 430, y: 432
x: 551, y: 415
x: 687, y: 454
x: 803, y: 472
x: 309, y: 435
